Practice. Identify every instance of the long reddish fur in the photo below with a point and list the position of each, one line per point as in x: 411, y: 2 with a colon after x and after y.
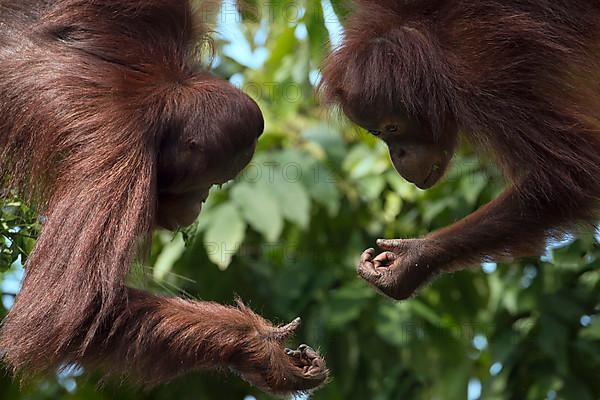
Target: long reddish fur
x: 520, y: 78
x: 83, y: 94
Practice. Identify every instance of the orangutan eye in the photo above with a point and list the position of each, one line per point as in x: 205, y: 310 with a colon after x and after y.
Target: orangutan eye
x: 392, y: 128
x: 374, y: 132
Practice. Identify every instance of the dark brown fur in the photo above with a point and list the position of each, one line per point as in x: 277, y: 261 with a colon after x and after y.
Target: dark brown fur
x: 520, y: 78
x: 108, y: 119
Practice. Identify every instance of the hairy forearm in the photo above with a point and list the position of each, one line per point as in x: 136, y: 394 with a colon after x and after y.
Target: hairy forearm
x: 510, y: 226
x: 506, y: 227
x: 515, y: 224
x: 155, y: 338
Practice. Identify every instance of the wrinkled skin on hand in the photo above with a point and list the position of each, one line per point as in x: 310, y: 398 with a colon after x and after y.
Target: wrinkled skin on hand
x: 270, y: 367
x: 400, y: 270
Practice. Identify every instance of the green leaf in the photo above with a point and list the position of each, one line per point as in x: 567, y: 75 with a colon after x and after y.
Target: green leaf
x: 406, y: 191
x: 427, y: 313
x: 340, y: 7
x: 345, y: 304
x: 364, y: 161
x: 392, y: 207
x: 224, y: 235
x: 553, y: 340
x: 284, y: 45
x: 329, y: 139
x: 260, y: 209
x: 317, y: 33
x: 294, y: 201
x: 394, y: 324
x: 433, y: 209
x: 322, y: 186
x: 371, y: 187
x: 570, y: 257
x: 168, y: 257
x: 472, y: 185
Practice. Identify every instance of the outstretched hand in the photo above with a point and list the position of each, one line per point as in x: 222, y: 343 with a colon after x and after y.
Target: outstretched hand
x: 268, y: 365
x: 400, y: 270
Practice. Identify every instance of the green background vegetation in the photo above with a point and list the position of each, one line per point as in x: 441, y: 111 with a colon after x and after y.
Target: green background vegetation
x: 287, y: 234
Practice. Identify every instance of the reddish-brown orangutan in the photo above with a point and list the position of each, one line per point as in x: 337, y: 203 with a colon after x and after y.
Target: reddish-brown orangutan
x: 517, y: 78
x: 112, y: 127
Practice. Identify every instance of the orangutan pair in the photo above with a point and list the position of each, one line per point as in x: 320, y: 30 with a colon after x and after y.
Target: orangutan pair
x: 111, y: 126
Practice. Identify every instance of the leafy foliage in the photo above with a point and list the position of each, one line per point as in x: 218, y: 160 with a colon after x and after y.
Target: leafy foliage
x: 286, y: 235
x: 18, y: 230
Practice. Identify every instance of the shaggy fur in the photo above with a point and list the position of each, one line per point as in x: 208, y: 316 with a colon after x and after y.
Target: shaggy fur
x: 520, y: 78
x: 105, y: 108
